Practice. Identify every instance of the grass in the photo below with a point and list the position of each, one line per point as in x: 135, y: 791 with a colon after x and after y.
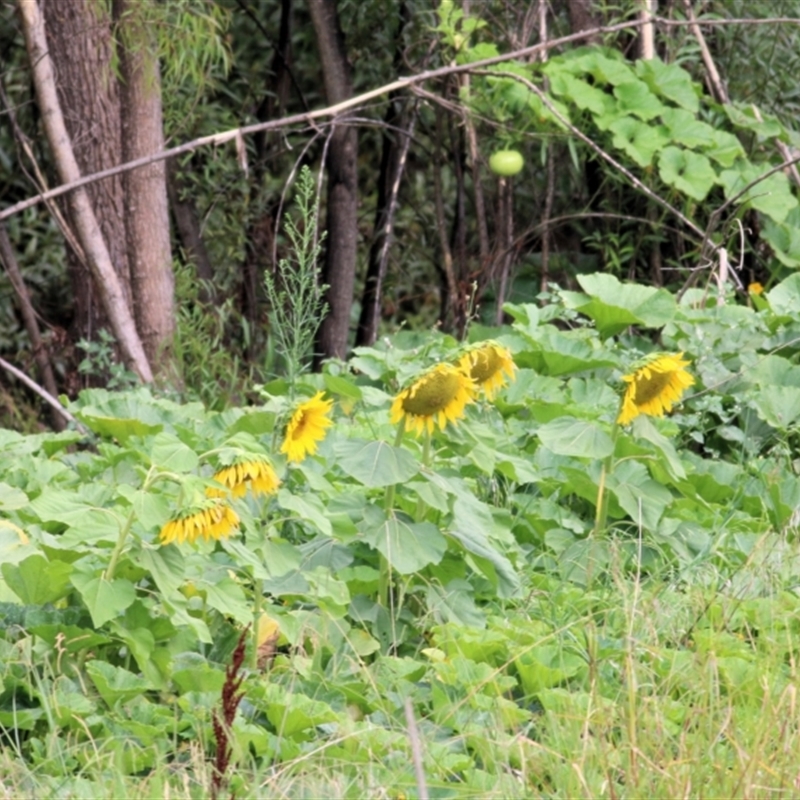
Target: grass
x: 677, y: 691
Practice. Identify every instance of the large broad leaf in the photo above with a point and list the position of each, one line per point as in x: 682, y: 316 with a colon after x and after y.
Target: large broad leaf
x: 104, y: 599
x: 308, y: 508
x: 227, y: 597
x: 785, y: 297
x: 167, y: 567
x: 690, y: 173
x: 170, y: 453
x: 114, y: 427
x: 784, y: 239
x: 641, y: 498
x: 567, y: 436
x: 12, y: 498
x: 408, y: 546
x: 635, y: 98
x: 472, y: 535
x: 115, y: 684
x: 37, y: 581
x: 375, y: 463
x: 552, y: 352
x: 614, y: 305
x: 670, y: 81
x: 772, y: 195
x: 581, y: 93
x: 639, y: 140
x: 778, y: 406
x: 687, y: 130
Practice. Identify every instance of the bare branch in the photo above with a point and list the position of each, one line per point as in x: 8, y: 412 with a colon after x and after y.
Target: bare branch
x: 46, y: 396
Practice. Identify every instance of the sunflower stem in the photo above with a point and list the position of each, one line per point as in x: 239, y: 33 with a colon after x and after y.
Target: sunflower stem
x: 384, y: 567
x: 257, y: 601
x: 607, y: 468
x: 125, y: 530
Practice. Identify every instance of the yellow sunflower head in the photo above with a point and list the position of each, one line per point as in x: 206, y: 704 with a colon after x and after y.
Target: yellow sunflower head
x: 211, y: 519
x: 441, y: 394
x: 488, y: 364
x: 654, y: 386
x: 307, y: 428
x: 249, y: 471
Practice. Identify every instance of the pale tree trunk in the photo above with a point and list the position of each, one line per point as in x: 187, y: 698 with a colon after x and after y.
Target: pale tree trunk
x: 80, y: 46
x: 145, y: 189
x: 342, y: 223
x: 110, y: 286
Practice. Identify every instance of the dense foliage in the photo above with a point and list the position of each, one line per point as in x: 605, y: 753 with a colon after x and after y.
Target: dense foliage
x: 522, y: 636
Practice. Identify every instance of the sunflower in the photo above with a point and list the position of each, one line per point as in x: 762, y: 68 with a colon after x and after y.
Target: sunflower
x: 654, y: 386
x: 211, y: 520
x: 441, y: 394
x: 252, y: 469
x: 307, y: 427
x: 486, y: 365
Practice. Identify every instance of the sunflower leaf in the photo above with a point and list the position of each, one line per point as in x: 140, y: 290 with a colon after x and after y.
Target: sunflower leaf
x: 375, y: 463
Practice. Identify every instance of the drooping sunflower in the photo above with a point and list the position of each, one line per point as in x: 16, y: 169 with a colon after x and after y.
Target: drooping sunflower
x: 251, y: 471
x: 654, y: 386
x: 439, y: 396
x: 211, y: 520
x: 488, y: 364
x: 307, y: 428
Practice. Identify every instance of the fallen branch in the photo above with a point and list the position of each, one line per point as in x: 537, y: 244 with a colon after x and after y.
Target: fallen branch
x: 45, y: 395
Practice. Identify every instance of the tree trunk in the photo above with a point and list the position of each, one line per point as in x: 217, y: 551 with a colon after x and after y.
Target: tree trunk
x: 145, y: 189
x: 583, y: 16
x: 342, y: 223
x: 111, y: 288
x: 80, y: 46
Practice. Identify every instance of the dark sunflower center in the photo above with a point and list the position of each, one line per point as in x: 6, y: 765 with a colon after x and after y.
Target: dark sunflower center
x: 433, y: 395
x: 485, y: 365
x: 648, y: 389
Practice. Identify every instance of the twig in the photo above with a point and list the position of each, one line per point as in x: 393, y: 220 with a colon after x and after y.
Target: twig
x: 353, y: 102
x: 416, y: 751
x: 718, y: 89
x: 45, y: 395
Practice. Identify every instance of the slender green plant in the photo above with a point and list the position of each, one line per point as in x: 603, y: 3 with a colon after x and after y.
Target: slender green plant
x: 295, y: 295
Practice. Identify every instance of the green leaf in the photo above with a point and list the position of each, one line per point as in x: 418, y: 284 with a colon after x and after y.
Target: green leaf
x: 227, y: 597
x: 408, y: 546
x: 308, y: 507
x: 115, y: 428
x: 642, y: 499
x: 785, y: 297
x: 168, y: 452
x: 784, y: 239
x: 375, y: 463
x: 690, y: 173
x: 467, y: 529
x: 635, y: 98
x: 764, y: 125
x: 614, y: 305
x: 167, y: 567
x: 37, y: 581
x: 552, y: 353
x: 584, y: 96
x: 104, y: 599
x: 567, y: 436
x: 772, y: 196
x: 778, y: 406
x: 687, y: 130
x: 545, y: 666
x: 115, y: 684
x: 12, y: 498
x: 670, y: 81
x: 726, y: 149
x: 344, y: 387
x: 638, y: 140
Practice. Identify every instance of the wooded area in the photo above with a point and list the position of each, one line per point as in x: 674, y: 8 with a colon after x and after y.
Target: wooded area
x: 642, y: 172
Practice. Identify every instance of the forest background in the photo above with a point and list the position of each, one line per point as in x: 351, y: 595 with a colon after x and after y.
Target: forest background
x: 332, y: 197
